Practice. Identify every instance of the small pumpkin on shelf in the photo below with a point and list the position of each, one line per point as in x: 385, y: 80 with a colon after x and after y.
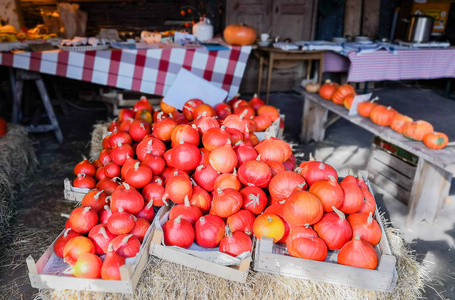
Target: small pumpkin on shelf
x: 382, y: 115
x: 312, y: 87
x: 327, y: 90
x: 364, y: 108
x: 436, y: 140
x: 398, y: 122
x: 239, y: 34
x: 341, y: 92
x: 417, y: 130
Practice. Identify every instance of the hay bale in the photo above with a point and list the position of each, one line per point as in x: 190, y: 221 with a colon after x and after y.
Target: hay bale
x: 96, y: 143
x: 17, y: 164
x: 166, y: 280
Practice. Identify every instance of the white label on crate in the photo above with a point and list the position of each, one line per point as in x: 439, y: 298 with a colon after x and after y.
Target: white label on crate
x: 188, y: 86
x: 358, y: 99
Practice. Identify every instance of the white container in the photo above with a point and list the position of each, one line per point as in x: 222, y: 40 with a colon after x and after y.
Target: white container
x: 203, y: 30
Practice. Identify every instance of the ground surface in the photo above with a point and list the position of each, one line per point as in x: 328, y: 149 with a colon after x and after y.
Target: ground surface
x: 38, y: 219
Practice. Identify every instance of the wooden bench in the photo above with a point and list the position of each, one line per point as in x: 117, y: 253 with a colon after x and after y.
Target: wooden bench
x: 435, y: 168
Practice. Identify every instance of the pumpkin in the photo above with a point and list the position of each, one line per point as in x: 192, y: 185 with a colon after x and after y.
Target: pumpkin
x: 334, y: 229
x: 236, y: 243
x: 327, y: 90
x: 341, y: 92
x: 178, y: 232
x: 268, y: 110
x: 60, y: 243
x: 366, y: 227
x: 382, y: 115
x: 126, y: 245
x: 186, y: 211
x: 303, y: 208
x: 358, y: 253
x: 435, y: 140
x: 82, y: 219
x: 353, y: 196
x: 417, y: 130
x: 277, y: 209
x: 238, y: 34
x: 256, y: 102
x: 312, y: 87
x: 254, y: 199
x: 364, y: 108
x: 398, y: 122
x: 347, y: 101
x: 242, y: 220
x: 269, y: 225
x: 312, y: 248
x: 88, y: 265
x: 329, y: 192
x: 255, y: 173
x: 111, y: 265
x: 369, y: 204
x: 273, y: 149
x: 84, y: 166
x: 209, y: 231
x: 76, y: 247
x: 314, y: 171
x: 226, y: 202
x: 284, y: 183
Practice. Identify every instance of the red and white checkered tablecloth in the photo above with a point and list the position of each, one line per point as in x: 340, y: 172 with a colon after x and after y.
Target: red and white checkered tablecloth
x: 149, y: 71
x: 401, y: 65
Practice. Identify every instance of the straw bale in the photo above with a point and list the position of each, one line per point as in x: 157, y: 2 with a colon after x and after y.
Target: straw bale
x: 166, y: 280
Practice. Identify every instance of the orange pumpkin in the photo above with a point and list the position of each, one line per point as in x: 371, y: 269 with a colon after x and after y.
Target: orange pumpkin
x: 328, y: 89
x: 269, y: 225
x: 382, y: 115
x: 166, y: 108
x: 417, y: 130
x: 347, y: 101
x: 398, y: 122
x: 435, y: 140
x: 364, y: 108
x: 341, y: 92
x: 237, y: 34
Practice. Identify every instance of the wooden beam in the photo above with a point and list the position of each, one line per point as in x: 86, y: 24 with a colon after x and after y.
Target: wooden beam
x: 352, y: 17
x: 370, y: 18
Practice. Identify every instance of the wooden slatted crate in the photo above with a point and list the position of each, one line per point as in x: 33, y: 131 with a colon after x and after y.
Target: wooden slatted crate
x: 273, y: 258
x: 236, y: 273
x: 42, y: 278
x: 73, y: 193
x: 391, y: 173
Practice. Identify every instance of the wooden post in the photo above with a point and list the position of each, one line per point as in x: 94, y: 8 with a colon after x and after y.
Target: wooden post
x: 313, y: 120
x: 429, y: 191
x: 352, y: 17
x: 370, y: 18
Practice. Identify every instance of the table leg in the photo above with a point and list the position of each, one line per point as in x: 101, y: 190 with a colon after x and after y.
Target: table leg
x: 430, y: 189
x: 269, y: 77
x: 309, y: 69
x: 18, y: 85
x: 50, y: 111
x: 320, y: 67
x: 313, y: 120
x: 261, y: 67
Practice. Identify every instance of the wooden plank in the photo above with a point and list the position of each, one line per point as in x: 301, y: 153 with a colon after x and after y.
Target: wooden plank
x: 352, y: 17
x: 73, y: 194
x: 391, y: 173
x: 391, y: 187
x: 429, y: 192
x: 313, y: 120
x: 444, y: 158
x: 370, y: 18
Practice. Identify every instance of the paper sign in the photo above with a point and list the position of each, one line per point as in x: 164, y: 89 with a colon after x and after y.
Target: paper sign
x: 188, y: 86
x: 358, y: 99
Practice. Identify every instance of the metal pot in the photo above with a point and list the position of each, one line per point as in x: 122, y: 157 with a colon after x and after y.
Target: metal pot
x: 419, y: 28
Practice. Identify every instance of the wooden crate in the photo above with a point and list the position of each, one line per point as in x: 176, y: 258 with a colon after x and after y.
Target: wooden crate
x: 275, y: 130
x: 130, y: 273
x: 391, y: 173
x: 273, y: 258
x: 73, y: 193
x: 236, y: 273
x: 125, y: 99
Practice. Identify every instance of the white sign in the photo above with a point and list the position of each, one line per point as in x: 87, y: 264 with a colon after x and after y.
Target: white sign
x: 358, y: 99
x: 188, y: 86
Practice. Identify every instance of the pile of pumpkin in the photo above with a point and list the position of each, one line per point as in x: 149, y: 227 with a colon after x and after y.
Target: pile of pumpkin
x: 145, y: 163
x: 385, y: 116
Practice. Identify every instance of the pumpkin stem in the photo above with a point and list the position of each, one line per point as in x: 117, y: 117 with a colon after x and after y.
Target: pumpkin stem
x: 235, y: 172
x: 120, y: 209
x: 126, y: 185
x: 177, y: 220
x: 321, y: 166
x: 84, y: 158
x: 238, y: 143
x: 143, y: 98
x: 119, y: 144
x: 87, y: 208
x: 116, y: 179
x: 258, y: 158
x: 126, y: 238
x: 282, y: 202
x: 181, y: 141
x: 66, y: 232
x: 389, y: 107
x: 351, y: 172
x: 142, y: 126
x: 194, y: 126
x: 164, y: 199
x: 307, y: 226
x: 242, y: 116
x: 106, y: 207
x: 311, y: 157
x: 193, y: 182
x: 81, y: 175
x: 248, y: 232
x: 223, y: 127
x: 134, y: 218
x: 228, y: 142
x: 357, y: 237
x: 158, y: 116
x: 97, y: 195
x: 159, y: 181
x: 298, y: 170
x: 200, y: 167
x: 202, y: 219
x: 103, y: 233
x: 250, y: 184
x: 219, y: 191
x: 187, y: 201
x: 254, y: 199
x: 359, y: 175
x: 228, y: 231
x: 136, y: 165
x: 269, y: 218
x: 246, y: 129
x: 332, y: 178
x: 108, y: 198
x: 176, y: 173
x: 149, y: 205
x: 370, y: 218
x: 328, y: 81
x: 110, y: 248
x: 302, y: 185
x: 150, y: 142
x: 127, y: 154
x: 255, y: 95
x: 340, y: 214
